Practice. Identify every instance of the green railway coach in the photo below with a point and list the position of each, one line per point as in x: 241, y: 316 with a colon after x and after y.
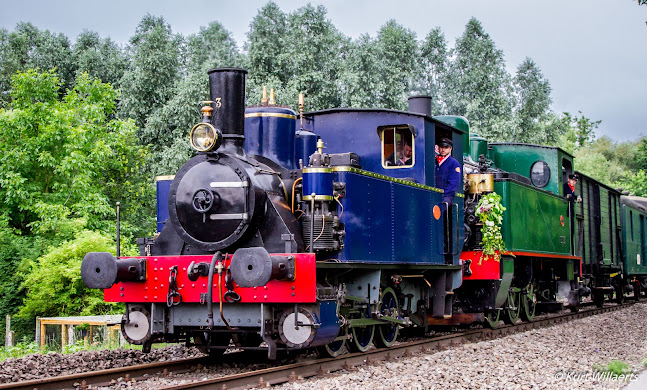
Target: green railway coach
x: 634, y: 239
x: 598, y: 238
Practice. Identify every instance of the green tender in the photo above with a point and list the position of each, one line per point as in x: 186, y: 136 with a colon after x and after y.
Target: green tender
x: 531, y: 222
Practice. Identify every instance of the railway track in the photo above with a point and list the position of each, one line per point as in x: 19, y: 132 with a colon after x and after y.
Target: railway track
x: 294, y: 371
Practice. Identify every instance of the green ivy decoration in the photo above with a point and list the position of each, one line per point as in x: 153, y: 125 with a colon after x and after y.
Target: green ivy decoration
x: 490, y: 212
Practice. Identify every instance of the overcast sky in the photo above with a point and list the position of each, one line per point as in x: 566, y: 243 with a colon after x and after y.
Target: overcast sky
x: 593, y: 52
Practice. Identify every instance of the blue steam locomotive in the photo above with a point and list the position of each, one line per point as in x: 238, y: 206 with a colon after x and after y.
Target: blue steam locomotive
x: 289, y: 231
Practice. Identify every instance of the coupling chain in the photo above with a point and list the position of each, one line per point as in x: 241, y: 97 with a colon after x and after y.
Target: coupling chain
x: 173, y: 298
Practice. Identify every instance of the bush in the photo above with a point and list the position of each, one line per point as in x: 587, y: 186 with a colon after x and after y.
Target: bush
x: 54, y: 286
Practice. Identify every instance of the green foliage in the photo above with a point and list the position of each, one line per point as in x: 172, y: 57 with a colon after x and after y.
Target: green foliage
x: 397, y: 51
x: 490, y: 213
x: 54, y: 286
x: 15, y: 252
x: 616, y: 367
x: 635, y: 183
x: 266, y: 46
x: 434, y: 62
x: 27, y: 47
x: 212, y: 46
x: 155, y: 67
x: 315, y: 48
x: 170, y: 128
x: 19, y: 350
x: 63, y: 160
x: 478, y: 85
x: 533, y: 110
x: 100, y: 58
x: 359, y: 75
x: 640, y: 159
x: 583, y: 128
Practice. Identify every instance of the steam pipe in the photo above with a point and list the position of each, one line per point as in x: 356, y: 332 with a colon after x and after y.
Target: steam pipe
x: 215, y: 259
x: 118, y: 233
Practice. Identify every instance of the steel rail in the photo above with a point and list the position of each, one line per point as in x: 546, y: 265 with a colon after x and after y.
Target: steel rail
x: 103, y: 376
x: 294, y: 371
x: 322, y: 367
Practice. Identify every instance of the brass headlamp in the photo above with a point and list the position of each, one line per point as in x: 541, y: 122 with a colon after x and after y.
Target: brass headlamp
x: 204, y: 136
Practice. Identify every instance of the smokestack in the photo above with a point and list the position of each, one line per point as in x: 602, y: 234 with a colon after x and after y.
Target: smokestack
x: 420, y: 104
x: 227, y: 91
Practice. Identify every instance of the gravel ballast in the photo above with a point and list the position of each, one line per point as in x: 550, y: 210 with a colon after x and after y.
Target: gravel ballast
x: 563, y: 356
x: 37, y: 366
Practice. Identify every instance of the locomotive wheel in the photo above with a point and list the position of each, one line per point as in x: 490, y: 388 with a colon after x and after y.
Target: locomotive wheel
x: 511, y: 314
x: 333, y: 349
x: 492, y: 318
x: 528, y: 303
x: 362, y: 338
x: 387, y: 334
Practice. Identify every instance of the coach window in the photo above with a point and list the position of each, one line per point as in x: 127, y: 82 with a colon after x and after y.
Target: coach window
x: 397, y: 147
x: 539, y: 174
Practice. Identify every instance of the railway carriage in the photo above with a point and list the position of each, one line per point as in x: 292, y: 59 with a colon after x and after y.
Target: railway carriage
x: 634, y: 239
x: 598, y: 237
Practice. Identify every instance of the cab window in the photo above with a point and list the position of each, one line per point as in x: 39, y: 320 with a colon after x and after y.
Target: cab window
x: 539, y: 174
x: 397, y: 147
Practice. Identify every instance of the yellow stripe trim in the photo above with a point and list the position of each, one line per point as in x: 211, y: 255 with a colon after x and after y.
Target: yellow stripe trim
x: 317, y: 170
x: 388, y: 178
x: 167, y: 177
x: 270, y: 114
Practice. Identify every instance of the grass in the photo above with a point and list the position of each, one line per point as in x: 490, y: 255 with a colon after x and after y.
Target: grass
x: 616, y: 367
x: 53, y: 344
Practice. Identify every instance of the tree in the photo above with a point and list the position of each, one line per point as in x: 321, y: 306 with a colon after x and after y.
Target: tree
x: 478, y: 85
x: 434, y: 61
x: 15, y: 252
x: 266, y: 46
x: 606, y: 160
x: 315, y: 48
x: 168, y: 131
x: 640, y: 159
x: 397, y: 52
x: 100, y: 58
x: 583, y: 128
x: 533, y: 97
x: 211, y: 47
x: 155, y: 67
x: 66, y: 159
x: 27, y: 47
x: 360, y: 83
x: 636, y: 181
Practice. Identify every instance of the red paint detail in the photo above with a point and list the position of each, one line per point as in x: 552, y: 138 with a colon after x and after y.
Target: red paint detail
x: 561, y: 219
x: 275, y: 291
x: 488, y: 269
x: 544, y: 255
